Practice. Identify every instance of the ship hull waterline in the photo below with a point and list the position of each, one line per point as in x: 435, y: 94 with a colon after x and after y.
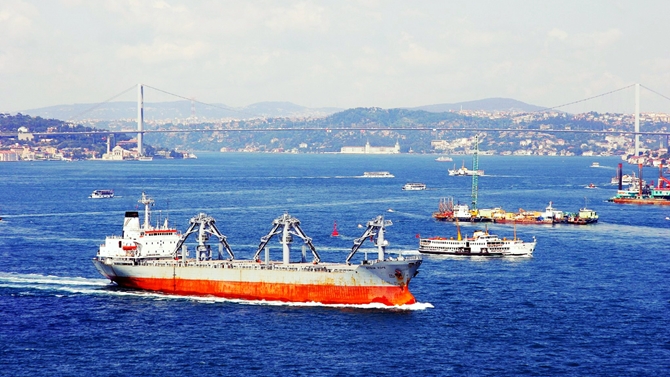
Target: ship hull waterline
x: 284, y: 286
x: 659, y: 202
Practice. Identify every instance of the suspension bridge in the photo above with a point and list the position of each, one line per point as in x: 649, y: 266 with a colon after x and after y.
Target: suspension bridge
x: 140, y: 131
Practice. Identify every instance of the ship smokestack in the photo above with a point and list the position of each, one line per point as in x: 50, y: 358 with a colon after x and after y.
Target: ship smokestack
x: 131, y: 222
x: 619, y: 174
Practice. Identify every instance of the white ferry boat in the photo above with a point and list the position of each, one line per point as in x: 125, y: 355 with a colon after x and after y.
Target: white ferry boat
x: 444, y: 159
x: 463, y: 171
x: 377, y: 174
x: 625, y: 179
x: 102, y: 194
x: 480, y: 244
x: 414, y: 186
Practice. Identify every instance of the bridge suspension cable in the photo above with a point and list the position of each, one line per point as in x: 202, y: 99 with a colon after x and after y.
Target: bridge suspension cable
x: 585, y: 99
x: 202, y: 103
x: 101, y: 103
x: 655, y: 92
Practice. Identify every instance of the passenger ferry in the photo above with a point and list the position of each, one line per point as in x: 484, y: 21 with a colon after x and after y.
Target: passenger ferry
x: 463, y: 171
x: 444, y: 159
x: 102, y: 194
x: 414, y: 186
x: 377, y: 174
x: 480, y: 244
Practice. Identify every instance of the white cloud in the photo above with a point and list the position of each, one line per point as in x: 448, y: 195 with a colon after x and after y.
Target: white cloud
x: 354, y: 53
x: 558, y: 34
x: 302, y: 16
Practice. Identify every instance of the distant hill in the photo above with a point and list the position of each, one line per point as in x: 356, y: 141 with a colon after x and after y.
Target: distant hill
x: 176, y: 110
x: 182, y: 110
x: 487, y: 104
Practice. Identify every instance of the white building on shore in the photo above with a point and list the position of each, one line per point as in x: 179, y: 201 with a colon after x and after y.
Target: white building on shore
x: 367, y: 149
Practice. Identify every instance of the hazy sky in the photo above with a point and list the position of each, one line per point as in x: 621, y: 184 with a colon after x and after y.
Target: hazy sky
x: 335, y: 53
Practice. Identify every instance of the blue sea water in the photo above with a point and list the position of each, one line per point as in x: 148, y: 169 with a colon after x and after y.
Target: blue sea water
x: 593, y: 301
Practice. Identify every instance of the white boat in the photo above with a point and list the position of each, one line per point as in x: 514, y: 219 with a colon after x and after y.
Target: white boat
x: 145, y: 158
x: 463, y: 171
x: 595, y: 164
x: 480, y: 244
x: 414, y: 186
x: 102, y: 194
x: 377, y: 174
x: 625, y: 179
x: 444, y: 159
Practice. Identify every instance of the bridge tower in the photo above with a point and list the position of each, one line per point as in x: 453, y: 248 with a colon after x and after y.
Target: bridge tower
x: 637, y: 120
x: 475, y: 168
x: 140, y: 118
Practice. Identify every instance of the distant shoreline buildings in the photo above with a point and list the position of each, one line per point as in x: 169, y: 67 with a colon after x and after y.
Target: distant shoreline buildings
x: 367, y: 149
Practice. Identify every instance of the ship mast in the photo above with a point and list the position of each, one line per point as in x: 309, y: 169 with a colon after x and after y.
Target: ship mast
x: 147, y: 202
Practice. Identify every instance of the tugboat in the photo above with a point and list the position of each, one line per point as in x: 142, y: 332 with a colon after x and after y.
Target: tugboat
x: 585, y: 216
x: 157, y: 259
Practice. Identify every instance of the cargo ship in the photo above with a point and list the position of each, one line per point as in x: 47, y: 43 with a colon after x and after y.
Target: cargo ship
x: 550, y: 216
x: 641, y: 193
x: 156, y: 258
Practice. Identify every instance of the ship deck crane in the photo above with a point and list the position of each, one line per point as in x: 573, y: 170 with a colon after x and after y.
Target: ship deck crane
x: 376, y: 227
x: 204, y: 225
x: 287, y: 226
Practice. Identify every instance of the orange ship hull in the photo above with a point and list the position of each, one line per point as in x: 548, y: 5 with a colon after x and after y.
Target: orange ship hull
x: 326, y: 294
x: 385, y: 282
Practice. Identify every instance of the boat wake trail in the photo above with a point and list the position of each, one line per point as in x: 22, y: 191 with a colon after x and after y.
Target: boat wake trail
x: 78, y: 285
x: 374, y: 306
x: 51, y: 283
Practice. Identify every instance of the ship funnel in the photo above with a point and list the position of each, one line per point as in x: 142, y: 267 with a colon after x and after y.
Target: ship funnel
x: 131, y: 222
